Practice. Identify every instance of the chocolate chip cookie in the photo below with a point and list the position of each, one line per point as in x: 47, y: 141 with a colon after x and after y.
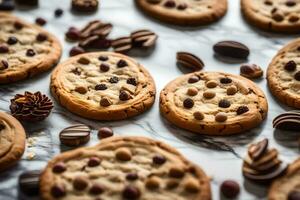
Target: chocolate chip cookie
x: 283, y: 74
x: 124, y: 168
x: 12, y: 141
x: 288, y: 186
x: 213, y: 103
x: 184, y: 12
x: 25, y: 49
x: 273, y: 15
x: 103, y: 86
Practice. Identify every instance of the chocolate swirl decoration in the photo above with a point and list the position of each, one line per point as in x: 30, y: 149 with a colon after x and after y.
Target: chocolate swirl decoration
x: 31, y: 107
x: 262, y: 164
x: 289, y: 121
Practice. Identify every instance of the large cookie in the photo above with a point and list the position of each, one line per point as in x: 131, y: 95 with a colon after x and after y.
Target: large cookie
x: 12, y: 141
x: 213, y: 103
x: 124, y: 168
x: 184, y: 12
x: 273, y: 15
x: 103, y: 86
x: 284, y: 74
x: 288, y: 186
x: 25, y: 49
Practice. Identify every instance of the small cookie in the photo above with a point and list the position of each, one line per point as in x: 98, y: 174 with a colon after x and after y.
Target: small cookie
x: 25, y: 49
x: 283, y: 74
x: 12, y: 141
x: 273, y: 15
x: 213, y: 103
x: 288, y: 186
x: 184, y: 12
x: 124, y: 168
x: 85, y: 5
x: 103, y: 86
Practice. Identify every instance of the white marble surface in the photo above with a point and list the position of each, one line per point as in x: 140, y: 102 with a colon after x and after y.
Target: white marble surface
x: 220, y: 165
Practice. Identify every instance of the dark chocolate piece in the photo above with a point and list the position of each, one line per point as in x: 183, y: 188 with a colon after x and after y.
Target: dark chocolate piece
x: 75, y: 135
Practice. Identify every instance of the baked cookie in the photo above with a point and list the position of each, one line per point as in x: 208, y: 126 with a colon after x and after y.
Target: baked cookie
x: 283, y: 74
x: 25, y: 49
x: 273, y: 15
x: 103, y: 86
x: 288, y: 186
x: 213, y: 103
x: 124, y: 168
x: 12, y: 141
x: 184, y: 12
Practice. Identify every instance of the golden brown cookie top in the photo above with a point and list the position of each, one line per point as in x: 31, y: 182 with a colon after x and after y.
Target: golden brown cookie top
x: 124, y: 168
x: 7, y: 136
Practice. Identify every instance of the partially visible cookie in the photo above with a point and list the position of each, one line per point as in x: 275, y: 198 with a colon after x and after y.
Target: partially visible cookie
x: 12, y: 141
x: 85, y: 5
x: 213, y: 103
x: 124, y: 168
x: 184, y: 12
x: 25, y: 49
x: 273, y: 15
x: 288, y: 186
x: 103, y: 86
x: 283, y: 74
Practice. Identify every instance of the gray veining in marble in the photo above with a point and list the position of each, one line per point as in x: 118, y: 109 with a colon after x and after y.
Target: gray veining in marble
x: 220, y: 165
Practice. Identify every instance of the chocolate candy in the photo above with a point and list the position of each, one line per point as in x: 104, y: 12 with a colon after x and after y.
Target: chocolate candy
x: 7, y: 5
x: 101, y: 87
x: 103, y: 58
x: 230, y: 189
x: 58, y: 12
x: 114, y: 79
x: 225, y: 80
x: 123, y: 154
x: 289, y: 121
x: 297, y: 76
x: 18, y: 25
x: 131, y: 192
x: 104, y: 67
x: 193, y: 79
x: 80, y: 183
x: 73, y: 34
x: 159, y: 159
x: 75, y: 135
x: 231, y: 49
x: 290, y: 66
x: 85, y: 5
x: 124, y: 95
x: 221, y: 117
x: 96, y: 189
x: 41, y: 37
x: 170, y: 4
x: 143, y: 38
x: 132, y: 176
x: 4, y: 48
x: 189, y: 61
x: 76, y: 51
x: 29, y: 182
x: 3, y: 65
x: 224, y: 103
x: 59, y: 167
x: 251, y: 71
x: 241, y: 110
x: 58, y: 191
x: 122, y: 45
x: 12, y: 40
x: 94, y: 162
x: 188, y: 103
x: 257, y: 150
x: 198, y: 115
x: 122, y: 63
x: 105, y: 132
x: 131, y: 81
x: 40, y: 21
x: 30, y: 53
x: 84, y: 60
x: 105, y: 102
x: 81, y: 89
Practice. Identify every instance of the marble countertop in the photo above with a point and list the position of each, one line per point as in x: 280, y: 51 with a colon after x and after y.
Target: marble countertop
x: 220, y: 157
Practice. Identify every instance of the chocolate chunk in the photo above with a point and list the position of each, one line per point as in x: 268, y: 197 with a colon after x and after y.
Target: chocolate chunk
x: 84, y: 60
x: 73, y: 34
x: 2, y: 126
x: 221, y: 117
x: 105, y: 102
x: 3, y: 48
x: 114, y: 79
x: 100, y: 87
x: 189, y: 61
x: 211, y: 84
x: 198, y: 115
x: 81, y: 90
x: 29, y: 182
x: 95, y: 42
x: 188, y: 103
x: 41, y: 37
x: 294, y: 195
x: 232, y: 90
x: 103, y: 58
x: 85, y: 5
x: 105, y: 132
x: 122, y: 63
x: 80, y: 183
x: 290, y: 3
x: 123, y: 154
x: 193, y: 79
x: 104, y: 67
x: 230, y: 189
x: 159, y: 159
x: 58, y: 12
x: 76, y: 71
x: 96, y: 28
x: 122, y: 44
x: 176, y: 172
x: 152, y: 183
x: 59, y: 168
x: 289, y: 121
x: 232, y: 49
x: 75, y: 135
x: 94, y: 162
x: 209, y: 94
x: 241, y: 110
x: 225, y: 80
x: 30, y: 53
x: 132, y: 176
x: 170, y: 4
x: 143, y: 38
x: 96, y: 189
x: 7, y: 5
x: 18, y: 25
x: 172, y: 184
x: 290, y: 66
x: 40, y: 21
x: 182, y: 6
x: 131, y: 81
x: 27, y: 2
x: 58, y: 191
x: 3, y: 65
x: 76, y: 51
x: 297, y: 76
x: 12, y: 40
x: 131, y: 192
x: 256, y: 151
x: 224, y: 103
x: 251, y: 71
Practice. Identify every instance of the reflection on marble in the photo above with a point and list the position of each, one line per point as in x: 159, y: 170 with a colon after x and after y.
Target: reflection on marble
x: 220, y: 157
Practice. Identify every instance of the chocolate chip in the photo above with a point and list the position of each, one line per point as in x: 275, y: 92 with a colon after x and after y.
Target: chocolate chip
x: 76, y: 71
x: 257, y: 150
x: 96, y: 189
x: 290, y: 66
x: 84, y: 60
x: 290, y: 3
x: 189, y: 61
x: 277, y: 16
x: 40, y: 21
x: 287, y: 121
x: 198, y: 115
x: 58, y: 191
x: 41, y: 37
x: 294, y: 195
x: 152, y: 183
x: 3, y: 48
x: 18, y: 25
x: 188, y: 103
x: 122, y: 63
x: 182, y: 6
x: 132, y: 176
x: 170, y: 4
x: 114, y: 79
x: 159, y: 159
x: 104, y: 67
x: 251, y: 71
x: 221, y: 117
x: 209, y: 94
x: 12, y: 40
x: 100, y: 87
x: 76, y: 51
x: 75, y: 135
x: 3, y: 65
x: 225, y: 80
x: 193, y: 79
x: 176, y: 172
x: 7, y: 5
x: 230, y: 189
x: 58, y: 12
x: 105, y: 132
x: 30, y: 53
x: 103, y: 58
x: 29, y: 182
x: 241, y: 110
x: 59, y: 168
x: 123, y: 154
x: 297, y: 76
x: 131, y: 192
x: 232, y: 90
x: 85, y: 5
x: 81, y: 90
x: 73, y: 34
x: 94, y: 161
x: 211, y: 84
x: 224, y: 103
x: 231, y: 49
x: 124, y: 95
x: 80, y: 183
x: 105, y: 102
x: 131, y: 81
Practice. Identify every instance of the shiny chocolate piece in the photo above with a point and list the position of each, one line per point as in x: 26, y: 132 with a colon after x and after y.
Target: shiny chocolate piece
x: 255, y: 151
x: 189, y: 61
x: 75, y: 135
x: 29, y: 182
x: 289, y: 121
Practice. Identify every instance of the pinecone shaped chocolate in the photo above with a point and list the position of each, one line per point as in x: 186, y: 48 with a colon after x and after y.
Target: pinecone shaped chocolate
x: 31, y: 106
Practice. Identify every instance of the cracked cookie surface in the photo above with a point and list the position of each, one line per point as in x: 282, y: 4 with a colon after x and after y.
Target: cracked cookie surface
x: 12, y: 141
x: 103, y: 86
x: 25, y: 49
x: 283, y: 74
x: 273, y: 15
x: 184, y: 12
x: 124, y: 168
x: 213, y: 103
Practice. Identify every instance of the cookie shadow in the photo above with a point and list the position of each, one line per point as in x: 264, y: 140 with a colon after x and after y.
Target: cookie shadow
x: 258, y: 190
x: 229, y: 60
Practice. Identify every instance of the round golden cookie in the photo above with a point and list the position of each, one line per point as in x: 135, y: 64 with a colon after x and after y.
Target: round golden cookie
x: 124, y: 168
x: 184, y: 12
x: 283, y: 74
x: 103, y: 86
x: 213, y: 103
x: 25, y: 49
x: 273, y: 15
x: 288, y: 186
x: 12, y: 141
